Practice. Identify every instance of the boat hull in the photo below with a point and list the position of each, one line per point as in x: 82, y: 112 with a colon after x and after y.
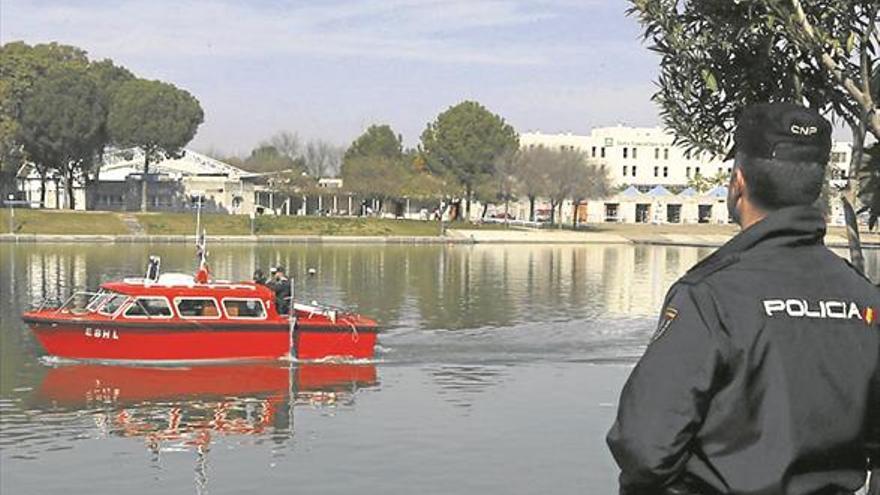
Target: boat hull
x: 312, y: 345
x: 187, y: 341
x: 119, y: 343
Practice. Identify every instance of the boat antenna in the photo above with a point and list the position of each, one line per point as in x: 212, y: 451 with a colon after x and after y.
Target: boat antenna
x: 198, y: 216
x: 202, y: 275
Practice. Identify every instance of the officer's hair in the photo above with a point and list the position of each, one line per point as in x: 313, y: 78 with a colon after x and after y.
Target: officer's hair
x: 775, y: 184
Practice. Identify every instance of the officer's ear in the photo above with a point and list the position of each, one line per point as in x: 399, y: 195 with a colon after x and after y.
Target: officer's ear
x: 738, y: 181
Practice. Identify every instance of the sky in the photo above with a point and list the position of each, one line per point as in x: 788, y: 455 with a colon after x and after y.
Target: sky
x: 327, y: 69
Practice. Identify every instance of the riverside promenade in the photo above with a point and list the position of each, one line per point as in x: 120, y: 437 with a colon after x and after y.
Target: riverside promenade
x: 648, y: 234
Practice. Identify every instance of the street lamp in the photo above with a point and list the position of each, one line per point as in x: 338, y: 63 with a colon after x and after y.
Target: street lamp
x: 11, y: 203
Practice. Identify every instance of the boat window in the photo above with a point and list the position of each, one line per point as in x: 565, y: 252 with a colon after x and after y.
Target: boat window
x: 97, y: 300
x: 149, y: 306
x: 113, y: 304
x: 244, y: 308
x: 190, y: 307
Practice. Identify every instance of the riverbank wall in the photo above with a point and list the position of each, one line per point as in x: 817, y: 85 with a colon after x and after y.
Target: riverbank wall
x: 464, y: 237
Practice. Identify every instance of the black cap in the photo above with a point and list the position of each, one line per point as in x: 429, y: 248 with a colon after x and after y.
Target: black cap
x: 782, y: 131
x: 279, y: 269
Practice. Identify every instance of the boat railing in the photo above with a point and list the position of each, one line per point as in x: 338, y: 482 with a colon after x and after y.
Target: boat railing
x: 67, y: 303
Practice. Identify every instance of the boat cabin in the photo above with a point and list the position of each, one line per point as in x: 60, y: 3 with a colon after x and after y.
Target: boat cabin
x: 178, y: 296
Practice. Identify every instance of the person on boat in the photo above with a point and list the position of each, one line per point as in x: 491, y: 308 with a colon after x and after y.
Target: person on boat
x: 281, y: 286
x: 762, y: 375
x: 259, y: 277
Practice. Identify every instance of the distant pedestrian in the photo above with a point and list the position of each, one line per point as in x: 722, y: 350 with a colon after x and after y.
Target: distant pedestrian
x: 259, y: 277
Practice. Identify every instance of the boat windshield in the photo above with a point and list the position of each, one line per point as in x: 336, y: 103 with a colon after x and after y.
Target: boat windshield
x: 113, y: 303
x: 97, y: 300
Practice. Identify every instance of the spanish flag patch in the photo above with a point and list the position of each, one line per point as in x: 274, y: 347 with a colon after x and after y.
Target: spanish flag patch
x: 669, y: 314
x: 870, y: 316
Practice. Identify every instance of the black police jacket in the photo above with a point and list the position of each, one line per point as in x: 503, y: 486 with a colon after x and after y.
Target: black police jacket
x: 762, y: 376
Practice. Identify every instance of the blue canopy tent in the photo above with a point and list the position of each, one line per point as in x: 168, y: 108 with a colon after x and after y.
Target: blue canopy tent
x: 659, y: 191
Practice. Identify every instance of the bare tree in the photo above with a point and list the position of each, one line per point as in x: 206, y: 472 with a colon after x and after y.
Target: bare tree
x: 322, y: 158
x: 288, y: 144
x: 564, y: 169
x: 589, y: 182
x: 529, y: 172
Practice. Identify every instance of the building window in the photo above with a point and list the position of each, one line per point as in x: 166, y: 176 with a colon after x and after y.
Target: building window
x: 688, y: 172
x: 593, y: 152
x: 665, y: 171
x: 635, y: 153
x: 697, y: 170
x: 656, y: 153
x: 603, y: 152
x: 838, y: 157
x: 666, y: 154
x: 625, y: 168
x: 728, y: 170
x: 634, y: 170
x: 625, y: 151
x: 656, y: 171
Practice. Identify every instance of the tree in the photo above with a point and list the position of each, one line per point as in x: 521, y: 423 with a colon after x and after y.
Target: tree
x: 501, y: 186
x: 21, y: 65
x: 377, y: 140
x: 564, y: 169
x: 287, y: 144
x: 266, y: 158
x: 529, y: 168
x: 465, y: 141
x: 156, y: 117
x: 378, y: 177
x: 702, y: 183
x: 321, y: 158
x: 61, y: 125
x: 718, y: 57
x: 589, y: 182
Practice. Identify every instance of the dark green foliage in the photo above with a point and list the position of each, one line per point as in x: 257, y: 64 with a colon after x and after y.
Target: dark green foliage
x: 717, y: 57
x: 266, y: 158
x: 154, y: 116
x: 61, y: 122
x: 465, y: 142
x: 377, y: 140
x: 21, y: 65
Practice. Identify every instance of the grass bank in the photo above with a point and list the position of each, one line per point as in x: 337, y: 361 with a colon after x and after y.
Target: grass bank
x: 63, y: 222
x: 185, y: 224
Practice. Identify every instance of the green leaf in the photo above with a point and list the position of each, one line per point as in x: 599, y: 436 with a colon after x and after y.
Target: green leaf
x: 851, y: 41
x: 709, y: 79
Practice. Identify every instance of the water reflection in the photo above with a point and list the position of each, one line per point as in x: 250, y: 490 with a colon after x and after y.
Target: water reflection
x: 180, y: 409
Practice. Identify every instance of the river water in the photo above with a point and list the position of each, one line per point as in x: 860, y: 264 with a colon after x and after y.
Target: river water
x: 498, y: 372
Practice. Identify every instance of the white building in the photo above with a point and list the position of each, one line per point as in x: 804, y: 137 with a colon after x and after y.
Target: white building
x: 172, y: 183
x: 647, y: 160
x: 640, y: 156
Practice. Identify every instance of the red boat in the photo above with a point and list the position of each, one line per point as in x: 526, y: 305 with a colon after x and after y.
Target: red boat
x: 177, y: 317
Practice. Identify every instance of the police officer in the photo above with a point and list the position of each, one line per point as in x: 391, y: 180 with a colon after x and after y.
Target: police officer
x: 282, y: 291
x: 762, y: 375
